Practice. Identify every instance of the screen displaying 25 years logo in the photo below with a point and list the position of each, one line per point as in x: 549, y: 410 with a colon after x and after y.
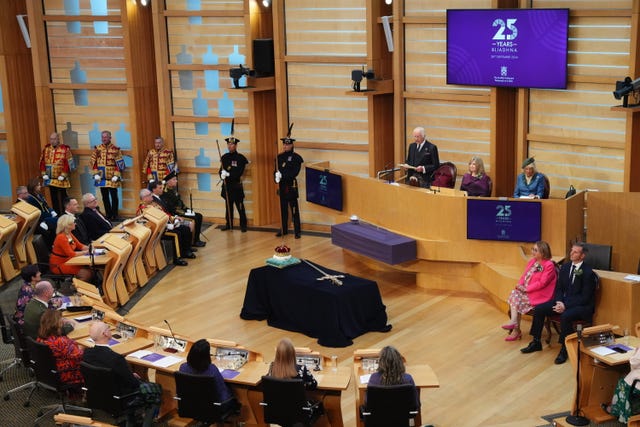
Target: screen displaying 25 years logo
x: 506, y: 30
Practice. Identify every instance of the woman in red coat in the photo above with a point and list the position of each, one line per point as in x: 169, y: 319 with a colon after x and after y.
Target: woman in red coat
x: 66, y: 351
x: 65, y: 247
x: 536, y: 286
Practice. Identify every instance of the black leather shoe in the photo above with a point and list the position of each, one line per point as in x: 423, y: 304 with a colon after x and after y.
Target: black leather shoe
x: 280, y: 234
x: 190, y: 255
x: 297, y: 235
x: 180, y: 262
x: 225, y: 228
x: 194, y: 250
x: 199, y: 244
x: 562, y: 356
x: 243, y: 230
x: 534, y: 345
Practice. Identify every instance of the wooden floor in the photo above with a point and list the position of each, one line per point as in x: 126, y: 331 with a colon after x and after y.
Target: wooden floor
x: 484, y: 381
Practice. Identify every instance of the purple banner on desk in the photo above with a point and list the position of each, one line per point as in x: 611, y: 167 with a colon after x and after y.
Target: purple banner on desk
x: 228, y: 374
x: 153, y: 357
x: 374, y: 242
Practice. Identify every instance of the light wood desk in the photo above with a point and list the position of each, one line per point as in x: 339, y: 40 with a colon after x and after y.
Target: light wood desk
x: 598, y: 374
x: 135, y: 274
x: 104, y: 261
x: 423, y: 376
x: 27, y: 217
x: 618, y: 301
x: 153, y: 253
x: 8, y: 228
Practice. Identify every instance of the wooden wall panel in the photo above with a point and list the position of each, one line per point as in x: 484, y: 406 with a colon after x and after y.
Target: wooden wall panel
x: 57, y: 7
x: 599, y: 46
x: 439, y: 6
x: 459, y: 129
x: 313, y: 28
x: 100, y: 57
x: 603, y: 209
x: 205, y: 5
x: 323, y: 112
x: 584, y: 4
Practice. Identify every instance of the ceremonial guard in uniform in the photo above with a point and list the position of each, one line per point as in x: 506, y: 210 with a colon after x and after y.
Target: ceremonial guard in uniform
x: 159, y: 162
x: 107, y: 165
x: 56, y: 164
x: 175, y: 206
x: 231, y: 170
x: 288, y: 168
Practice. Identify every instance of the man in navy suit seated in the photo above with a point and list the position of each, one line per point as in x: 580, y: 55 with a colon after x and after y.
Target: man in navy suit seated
x: 95, y: 223
x: 574, y: 300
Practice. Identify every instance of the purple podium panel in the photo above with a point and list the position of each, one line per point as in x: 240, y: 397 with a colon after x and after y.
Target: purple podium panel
x: 374, y: 242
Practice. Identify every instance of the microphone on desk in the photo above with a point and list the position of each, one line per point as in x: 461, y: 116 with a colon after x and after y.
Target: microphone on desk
x: 579, y: 330
x: 171, y: 349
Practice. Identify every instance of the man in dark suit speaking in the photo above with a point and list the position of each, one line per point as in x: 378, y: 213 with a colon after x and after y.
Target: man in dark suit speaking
x: 424, y: 156
x: 574, y: 299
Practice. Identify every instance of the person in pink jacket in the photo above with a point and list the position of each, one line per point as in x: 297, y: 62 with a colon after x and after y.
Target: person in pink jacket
x: 536, y: 286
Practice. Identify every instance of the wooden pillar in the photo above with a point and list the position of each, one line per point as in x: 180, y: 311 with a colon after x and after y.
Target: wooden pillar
x: 632, y: 139
x: 21, y: 115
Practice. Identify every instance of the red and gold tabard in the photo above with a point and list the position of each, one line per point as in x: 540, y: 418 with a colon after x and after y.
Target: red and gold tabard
x: 158, y: 164
x: 55, y: 162
x: 107, y: 161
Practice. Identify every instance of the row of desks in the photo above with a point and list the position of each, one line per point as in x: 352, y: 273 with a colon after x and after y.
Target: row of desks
x: 134, y: 340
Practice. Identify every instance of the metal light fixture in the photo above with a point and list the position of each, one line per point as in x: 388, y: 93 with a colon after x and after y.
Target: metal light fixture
x: 388, y: 1
x: 266, y: 3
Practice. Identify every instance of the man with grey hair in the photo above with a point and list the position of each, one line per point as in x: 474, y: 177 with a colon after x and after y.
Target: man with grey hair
x: 102, y: 355
x: 96, y: 223
x: 423, y: 156
x: 21, y: 193
x: 42, y: 294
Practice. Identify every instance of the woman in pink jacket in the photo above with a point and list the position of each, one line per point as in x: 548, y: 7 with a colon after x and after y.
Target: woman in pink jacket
x: 536, y: 286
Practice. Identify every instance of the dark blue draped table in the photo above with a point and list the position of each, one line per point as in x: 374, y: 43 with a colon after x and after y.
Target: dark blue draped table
x: 291, y: 298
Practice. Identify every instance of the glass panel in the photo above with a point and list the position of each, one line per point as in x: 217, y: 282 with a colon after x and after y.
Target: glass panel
x: 82, y: 7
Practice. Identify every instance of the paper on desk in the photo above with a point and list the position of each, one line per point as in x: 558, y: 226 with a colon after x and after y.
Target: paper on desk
x: 228, y: 374
x: 364, y: 379
x: 602, y: 351
x: 632, y: 277
x: 156, y: 359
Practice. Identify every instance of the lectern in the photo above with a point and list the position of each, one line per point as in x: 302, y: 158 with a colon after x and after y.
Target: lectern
x: 7, y: 230
x: 134, y: 272
x: 27, y: 217
x: 153, y: 254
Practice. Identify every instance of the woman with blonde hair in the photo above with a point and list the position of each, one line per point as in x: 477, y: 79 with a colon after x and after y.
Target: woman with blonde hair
x: 65, y: 247
x: 284, y: 365
x: 476, y: 182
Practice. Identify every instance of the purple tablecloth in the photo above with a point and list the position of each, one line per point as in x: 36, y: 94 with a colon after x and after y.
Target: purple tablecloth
x: 374, y: 242
x: 291, y: 298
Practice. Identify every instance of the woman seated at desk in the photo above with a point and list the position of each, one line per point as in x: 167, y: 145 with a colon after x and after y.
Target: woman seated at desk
x: 476, y: 182
x: 199, y: 363
x: 391, y: 371
x: 284, y: 365
x: 66, y: 351
x: 530, y: 183
x: 536, y: 286
x: 620, y: 405
x: 65, y: 247
x: 30, y: 275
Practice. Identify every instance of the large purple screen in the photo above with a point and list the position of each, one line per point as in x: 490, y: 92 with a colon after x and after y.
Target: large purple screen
x: 508, y: 47
x: 508, y: 220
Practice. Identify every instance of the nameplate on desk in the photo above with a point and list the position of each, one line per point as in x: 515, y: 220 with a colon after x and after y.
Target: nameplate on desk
x: 156, y: 359
x: 228, y: 374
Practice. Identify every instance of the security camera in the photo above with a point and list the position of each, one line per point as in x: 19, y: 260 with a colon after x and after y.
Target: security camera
x: 237, y: 73
x: 358, y: 75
